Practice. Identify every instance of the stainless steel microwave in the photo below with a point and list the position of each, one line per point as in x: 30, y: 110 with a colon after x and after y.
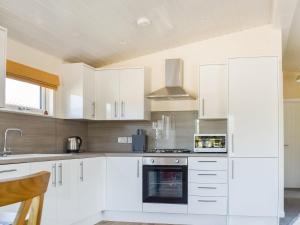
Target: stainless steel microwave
x: 210, y: 143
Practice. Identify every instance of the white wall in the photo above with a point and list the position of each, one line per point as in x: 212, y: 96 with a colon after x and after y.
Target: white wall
x: 260, y: 41
x: 24, y: 54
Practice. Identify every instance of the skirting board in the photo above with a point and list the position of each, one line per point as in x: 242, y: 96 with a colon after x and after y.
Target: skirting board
x: 167, y: 218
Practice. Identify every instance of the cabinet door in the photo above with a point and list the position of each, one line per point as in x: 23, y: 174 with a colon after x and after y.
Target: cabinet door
x: 253, y: 187
x: 107, y: 95
x: 89, y: 93
x: 71, y: 91
x: 90, y: 183
x: 2, y: 65
x: 67, y: 192
x: 253, y: 107
x: 213, y: 92
x: 124, y: 184
x: 132, y: 97
x: 13, y: 171
x: 49, y: 216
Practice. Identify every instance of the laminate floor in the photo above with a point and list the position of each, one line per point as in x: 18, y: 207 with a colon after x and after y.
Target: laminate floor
x: 291, y: 205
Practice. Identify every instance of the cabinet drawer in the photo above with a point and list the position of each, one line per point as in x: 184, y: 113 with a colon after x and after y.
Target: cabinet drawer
x: 207, y: 205
x: 201, y: 163
x: 208, y: 177
x: 207, y: 189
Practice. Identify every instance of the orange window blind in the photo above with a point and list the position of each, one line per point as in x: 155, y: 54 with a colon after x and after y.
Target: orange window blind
x: 28, y: 74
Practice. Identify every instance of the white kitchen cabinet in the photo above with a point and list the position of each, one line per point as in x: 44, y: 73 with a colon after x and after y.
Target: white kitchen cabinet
x: 253, y: 187
x: 49, y: 216
x: 124, y: 184
x: 77, y: 91
x: 91, y: 186
x: 213, y: 91
x: 3, y: 43
x: 253, y: 119
x: 13, y: 171
x: 120, y: 94
x: 107, y: 95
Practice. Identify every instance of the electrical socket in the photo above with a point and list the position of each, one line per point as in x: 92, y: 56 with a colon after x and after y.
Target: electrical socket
x: 129, y: 140
x: 122, y: 140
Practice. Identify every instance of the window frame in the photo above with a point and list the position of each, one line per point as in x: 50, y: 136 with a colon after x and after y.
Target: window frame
x: 46, y: 103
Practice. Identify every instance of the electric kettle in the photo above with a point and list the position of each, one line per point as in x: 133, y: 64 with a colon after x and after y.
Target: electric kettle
x: 73, y: 144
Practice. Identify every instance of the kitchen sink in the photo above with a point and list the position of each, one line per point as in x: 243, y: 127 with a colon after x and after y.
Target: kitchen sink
x: 24, y: 156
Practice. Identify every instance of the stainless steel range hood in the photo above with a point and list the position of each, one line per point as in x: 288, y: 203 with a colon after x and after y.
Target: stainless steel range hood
x: 173, y: 89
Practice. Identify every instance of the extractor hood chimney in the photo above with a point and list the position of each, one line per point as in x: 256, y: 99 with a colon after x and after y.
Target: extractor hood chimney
x: 173, y: 89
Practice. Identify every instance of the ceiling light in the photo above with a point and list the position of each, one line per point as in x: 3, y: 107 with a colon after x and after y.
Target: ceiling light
x: 298, y: 79
x: 143, y: 22
x: 123, y: 42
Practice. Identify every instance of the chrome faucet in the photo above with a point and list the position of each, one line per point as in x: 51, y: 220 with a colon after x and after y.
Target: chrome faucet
x: 5, y: 151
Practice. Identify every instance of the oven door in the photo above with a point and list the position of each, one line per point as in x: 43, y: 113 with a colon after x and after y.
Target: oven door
x: 165, y: 184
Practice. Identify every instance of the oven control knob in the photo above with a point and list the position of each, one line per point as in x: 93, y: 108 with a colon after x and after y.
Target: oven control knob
x: 177, y: 160
x: 152, y: 160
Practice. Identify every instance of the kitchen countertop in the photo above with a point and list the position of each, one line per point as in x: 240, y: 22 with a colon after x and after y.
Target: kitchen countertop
x: 54, y: 157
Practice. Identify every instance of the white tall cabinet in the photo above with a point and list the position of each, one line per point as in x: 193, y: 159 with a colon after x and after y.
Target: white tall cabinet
x: 124, y: 184
x: 120, y: 94
x: 253, y: 137
x: 3, y: 41
x: 77, y: 91
x: 213, y: 83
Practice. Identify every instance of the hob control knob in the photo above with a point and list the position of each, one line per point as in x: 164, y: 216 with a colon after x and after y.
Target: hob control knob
x: 177, y: 160
x: 152, y: 160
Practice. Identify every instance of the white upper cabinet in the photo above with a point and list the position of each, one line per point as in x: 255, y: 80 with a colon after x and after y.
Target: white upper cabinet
x: 3, y: 37
x: 213, y: 91
x: 77, y: 91
x: 120, y: 94
x: 253, y: 119
x: 107, y: 94
x: 253, y: 187
x: 124, y: 184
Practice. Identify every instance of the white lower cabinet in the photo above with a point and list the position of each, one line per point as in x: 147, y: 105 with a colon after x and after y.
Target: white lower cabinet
x: 124, y: 184
x: 60, y: 198
x: 12, y: 171
x: 253, y: 187
x: 91, y: 186
x: 207, y: 191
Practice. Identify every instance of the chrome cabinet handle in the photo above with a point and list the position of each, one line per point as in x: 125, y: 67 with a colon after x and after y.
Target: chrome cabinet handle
x: 138, y: 168
x: 232, y: 169
x: 207, y: 161
x: 116, y: 109
x: 8, y: 171
x: 207, y: 174
x: 122, y: 108
x: 203, y: 105
x: 60, y: 174
x: 207, y: 187
x: 54, y: 175
x: 207, y: 200
x: 81, y: 171
x: 94, y: 109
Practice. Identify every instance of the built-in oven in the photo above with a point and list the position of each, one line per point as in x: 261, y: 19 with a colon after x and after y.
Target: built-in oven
x: 165, y: 180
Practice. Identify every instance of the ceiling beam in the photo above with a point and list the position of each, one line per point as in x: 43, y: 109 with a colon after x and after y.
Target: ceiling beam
x: 282, y: 17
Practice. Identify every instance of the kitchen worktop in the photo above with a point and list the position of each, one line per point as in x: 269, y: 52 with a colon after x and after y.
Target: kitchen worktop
x: 14, y: 159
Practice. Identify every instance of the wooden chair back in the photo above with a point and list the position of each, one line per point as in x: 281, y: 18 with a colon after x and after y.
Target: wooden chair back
x: 28, y: 190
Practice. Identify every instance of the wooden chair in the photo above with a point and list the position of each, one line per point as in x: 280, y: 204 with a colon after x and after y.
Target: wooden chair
x: 28, y: 190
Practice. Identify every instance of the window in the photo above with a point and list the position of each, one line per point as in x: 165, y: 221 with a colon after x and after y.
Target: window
x: 23, y: 96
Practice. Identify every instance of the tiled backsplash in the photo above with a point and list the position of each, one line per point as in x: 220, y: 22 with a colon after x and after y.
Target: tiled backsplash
x: 48, y: 135
x: 102, y: 136
x: 40, y: 134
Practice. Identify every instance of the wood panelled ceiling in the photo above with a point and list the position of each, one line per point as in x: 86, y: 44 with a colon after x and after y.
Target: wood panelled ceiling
x: 100, y: 32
